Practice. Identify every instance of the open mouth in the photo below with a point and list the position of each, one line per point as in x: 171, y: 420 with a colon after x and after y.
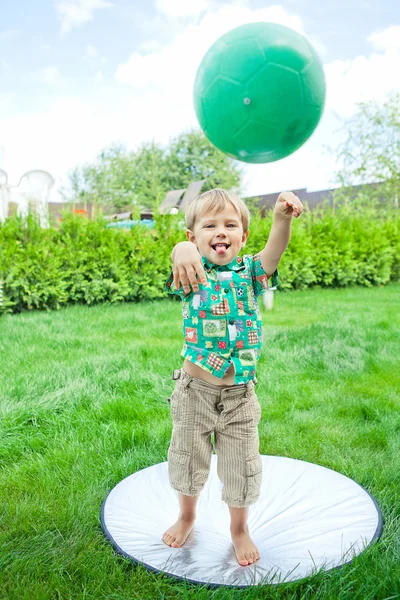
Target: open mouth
x: 222, y: 245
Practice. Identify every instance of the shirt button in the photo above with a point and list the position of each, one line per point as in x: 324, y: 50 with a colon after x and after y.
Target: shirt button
x: 226, y: 290
x: 231, y: 321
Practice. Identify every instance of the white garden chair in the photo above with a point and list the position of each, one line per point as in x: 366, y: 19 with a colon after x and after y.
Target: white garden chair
x: 3, y: 195
x: 32, y: 194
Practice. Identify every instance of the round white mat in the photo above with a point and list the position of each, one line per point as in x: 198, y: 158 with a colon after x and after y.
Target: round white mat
x: 307, y: 518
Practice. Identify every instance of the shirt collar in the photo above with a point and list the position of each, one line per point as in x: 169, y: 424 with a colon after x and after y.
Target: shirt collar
x: 235, y: 265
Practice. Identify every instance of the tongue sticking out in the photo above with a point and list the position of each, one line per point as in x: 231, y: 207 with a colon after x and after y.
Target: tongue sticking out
x: 220, y: 249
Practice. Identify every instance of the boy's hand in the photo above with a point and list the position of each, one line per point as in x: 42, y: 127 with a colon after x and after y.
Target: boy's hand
x: 186, y: 265
x: 288, y: 205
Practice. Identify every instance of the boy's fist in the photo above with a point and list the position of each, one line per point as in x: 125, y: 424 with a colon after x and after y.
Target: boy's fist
x: 288, y: 205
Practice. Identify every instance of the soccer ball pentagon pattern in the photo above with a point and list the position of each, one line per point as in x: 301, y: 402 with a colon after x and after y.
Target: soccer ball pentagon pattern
x: 259, y: 92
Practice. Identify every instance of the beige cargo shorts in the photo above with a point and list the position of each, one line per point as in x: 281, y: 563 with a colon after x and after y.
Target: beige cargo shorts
x: 199, y: 409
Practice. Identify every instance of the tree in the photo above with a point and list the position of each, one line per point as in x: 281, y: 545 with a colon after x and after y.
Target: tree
x: 371, y: 150
x: 119, y: 177
x: 150, y: 181
x: 191, y: 156
x: 108, y: 182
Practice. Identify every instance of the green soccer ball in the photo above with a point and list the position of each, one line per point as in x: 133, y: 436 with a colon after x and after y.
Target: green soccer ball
x: 259, y: 92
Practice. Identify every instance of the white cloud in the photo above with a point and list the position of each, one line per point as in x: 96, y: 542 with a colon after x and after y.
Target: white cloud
x: 386, y: 39
x: 176, y: 64
x: 92, y: 51
x: 151, y: 46
x: 181, y: 8
x: 364, y: 78
x: 98, y: 78
x: 7, y: 99
x: 74, y: 13
x: 55, y: 141
x: 48, y: 76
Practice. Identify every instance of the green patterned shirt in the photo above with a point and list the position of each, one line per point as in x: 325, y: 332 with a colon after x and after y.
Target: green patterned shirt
x: 222, y: 321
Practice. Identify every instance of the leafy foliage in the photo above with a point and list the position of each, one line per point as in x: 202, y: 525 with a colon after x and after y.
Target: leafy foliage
x: 120, y: 178
x: 85, y: 262
x: 371, y: 148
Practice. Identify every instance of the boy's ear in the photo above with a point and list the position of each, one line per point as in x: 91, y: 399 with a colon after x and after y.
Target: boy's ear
x: 190, y: 235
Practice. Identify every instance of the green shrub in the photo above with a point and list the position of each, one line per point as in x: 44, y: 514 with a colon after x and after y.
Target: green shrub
x: 82, y: 261
x: 348, y: 245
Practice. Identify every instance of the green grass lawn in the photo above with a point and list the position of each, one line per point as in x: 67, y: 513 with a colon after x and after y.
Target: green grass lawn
x: 83, y: 404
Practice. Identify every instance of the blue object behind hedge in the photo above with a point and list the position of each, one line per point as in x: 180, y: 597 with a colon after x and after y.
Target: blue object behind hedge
x: 129, y: 223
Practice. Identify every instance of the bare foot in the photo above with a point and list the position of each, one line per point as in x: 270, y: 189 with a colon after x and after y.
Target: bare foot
x: 245, y: 549
x: 177, y: 534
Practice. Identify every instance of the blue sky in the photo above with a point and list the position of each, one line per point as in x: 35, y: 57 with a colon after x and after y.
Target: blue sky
x: 77, y: 75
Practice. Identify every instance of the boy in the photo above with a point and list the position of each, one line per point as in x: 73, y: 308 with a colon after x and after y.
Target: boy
x: 222, y: 326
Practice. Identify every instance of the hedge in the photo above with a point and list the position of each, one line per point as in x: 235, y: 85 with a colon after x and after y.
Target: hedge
x: 82, y: 261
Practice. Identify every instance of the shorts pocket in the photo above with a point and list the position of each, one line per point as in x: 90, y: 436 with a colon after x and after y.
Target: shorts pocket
x: 258, y: 410
x: 178, y: 468
x: 254, y: 478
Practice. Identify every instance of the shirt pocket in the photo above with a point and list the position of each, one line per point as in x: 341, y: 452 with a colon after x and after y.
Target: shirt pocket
x: 245, y: 294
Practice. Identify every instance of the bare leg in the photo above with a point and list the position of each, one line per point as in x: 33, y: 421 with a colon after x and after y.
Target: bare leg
x: 246, y: 550
x: 177, y: 534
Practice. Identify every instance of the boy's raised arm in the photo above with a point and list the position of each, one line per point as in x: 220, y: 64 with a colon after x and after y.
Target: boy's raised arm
x: 287, y: 206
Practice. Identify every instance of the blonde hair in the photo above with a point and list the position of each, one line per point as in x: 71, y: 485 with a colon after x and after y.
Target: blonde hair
x: 216, y: 199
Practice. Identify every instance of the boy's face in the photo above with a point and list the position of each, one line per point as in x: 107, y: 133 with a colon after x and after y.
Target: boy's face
x: 225, y: 228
